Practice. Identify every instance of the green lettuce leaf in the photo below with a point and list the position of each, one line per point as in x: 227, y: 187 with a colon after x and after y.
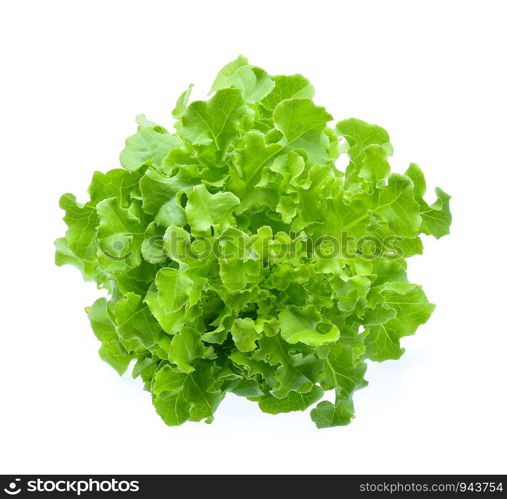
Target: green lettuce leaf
x: 239, y: 259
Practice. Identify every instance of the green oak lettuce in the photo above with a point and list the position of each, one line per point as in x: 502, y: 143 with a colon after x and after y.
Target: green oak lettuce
x: 239, y: 259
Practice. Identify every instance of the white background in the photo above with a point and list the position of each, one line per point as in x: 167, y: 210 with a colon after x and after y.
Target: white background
x: 74, y: 75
